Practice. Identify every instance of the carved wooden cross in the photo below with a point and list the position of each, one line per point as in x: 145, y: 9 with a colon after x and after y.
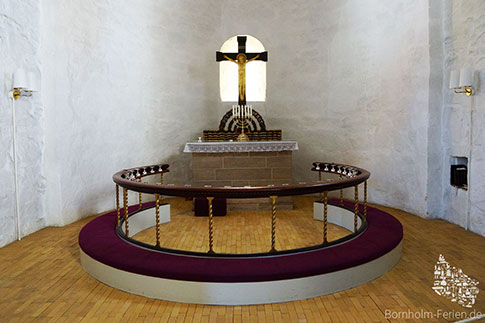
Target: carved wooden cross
x: 241, y: 58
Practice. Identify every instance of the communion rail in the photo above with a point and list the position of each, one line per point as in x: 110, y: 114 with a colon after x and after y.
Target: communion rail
x: 131, y: 180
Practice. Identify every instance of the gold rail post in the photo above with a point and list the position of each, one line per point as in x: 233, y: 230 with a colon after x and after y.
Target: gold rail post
x: 365, y: 200
x: 139, y: 198
x: 157, y: 217
x: 117, y: 205
x: 161, y: 178
x: 125, y: 204
x: 356, y: 206
x: 341, y: 196
x: 320, y: 179
x: 211, y: 226
x: 325, y: 202
x: 273, y: 223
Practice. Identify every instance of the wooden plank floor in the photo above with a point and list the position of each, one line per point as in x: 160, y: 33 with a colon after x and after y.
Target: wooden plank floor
x: 242, y: 231
x: 41, y: 278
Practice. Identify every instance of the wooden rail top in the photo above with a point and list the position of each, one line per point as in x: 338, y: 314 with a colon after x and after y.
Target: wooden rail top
x: 131, y: 179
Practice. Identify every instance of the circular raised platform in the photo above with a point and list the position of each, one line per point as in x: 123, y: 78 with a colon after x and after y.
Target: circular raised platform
x: 240, y: 280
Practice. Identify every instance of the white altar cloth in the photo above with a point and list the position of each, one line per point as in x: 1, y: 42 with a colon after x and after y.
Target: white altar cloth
x: 238, y: 146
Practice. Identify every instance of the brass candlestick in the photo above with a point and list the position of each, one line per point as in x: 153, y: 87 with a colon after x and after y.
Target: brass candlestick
x: 242, y: 113
x: 242, y: 136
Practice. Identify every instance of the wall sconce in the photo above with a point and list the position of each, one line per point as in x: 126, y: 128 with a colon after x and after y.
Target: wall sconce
x: 23, y: 84
x: 462, y: 82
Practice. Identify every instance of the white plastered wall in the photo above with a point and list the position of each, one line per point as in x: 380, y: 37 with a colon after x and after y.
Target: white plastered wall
x: 128, y: 86
x: 349, y: 80
x: 19, y: 48
x: 464, y: 117
x: 358, y: 82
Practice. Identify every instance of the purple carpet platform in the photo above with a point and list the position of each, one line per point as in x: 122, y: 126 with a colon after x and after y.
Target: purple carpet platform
x: 373, y: 247
x: 100, y: 244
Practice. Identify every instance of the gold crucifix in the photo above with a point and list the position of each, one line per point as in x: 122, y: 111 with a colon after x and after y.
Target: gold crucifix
x: 241, y: 59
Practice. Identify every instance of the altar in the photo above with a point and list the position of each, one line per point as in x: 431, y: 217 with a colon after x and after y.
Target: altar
x: 242, y: 152
x: 239, y: 164
x: 242, y: 165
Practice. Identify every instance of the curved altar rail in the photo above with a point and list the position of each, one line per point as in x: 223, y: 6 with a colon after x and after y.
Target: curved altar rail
x: 373, y: 247
x: 131, y: 179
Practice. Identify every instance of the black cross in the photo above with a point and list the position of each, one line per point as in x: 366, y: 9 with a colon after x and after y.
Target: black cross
x: 241, y: 41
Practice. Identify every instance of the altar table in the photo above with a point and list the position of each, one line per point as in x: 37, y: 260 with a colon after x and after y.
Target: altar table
x: 239, y: 164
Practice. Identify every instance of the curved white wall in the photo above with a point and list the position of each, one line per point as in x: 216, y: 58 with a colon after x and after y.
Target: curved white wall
x: 19, y: 48
x: 349, y: 81
x: 128, y: 84
x: 464, y: 117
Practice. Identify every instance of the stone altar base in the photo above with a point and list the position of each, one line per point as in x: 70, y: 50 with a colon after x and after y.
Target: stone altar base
x: 243, y: 169
x: 282, y: 203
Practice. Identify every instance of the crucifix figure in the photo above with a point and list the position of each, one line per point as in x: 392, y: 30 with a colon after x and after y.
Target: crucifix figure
x: 241, y: 58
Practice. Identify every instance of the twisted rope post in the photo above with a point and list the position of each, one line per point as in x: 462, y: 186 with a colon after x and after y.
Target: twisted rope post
x: 211, y: 226
x: 117, y: 205
x: 139, y: 198
x: 320, y: 179
x: 161, y: 178
x: 273, y: 223
x: 365, y: 200
x: 157, y: 218
x: 341, y: 196
x: 325, y: 202
x: 125, y: 204
x: 356, y: 206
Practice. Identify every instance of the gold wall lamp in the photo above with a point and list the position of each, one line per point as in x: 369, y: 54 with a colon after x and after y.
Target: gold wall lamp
x: 462, y: 82
x: 23, y: 84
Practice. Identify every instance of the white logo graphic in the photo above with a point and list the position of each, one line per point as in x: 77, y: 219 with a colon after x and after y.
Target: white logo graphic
x: 452, y: 283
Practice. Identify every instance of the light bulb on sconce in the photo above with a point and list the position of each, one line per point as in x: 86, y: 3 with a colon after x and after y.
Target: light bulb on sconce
x: 462, y: 82
x: 33, y: 84
x: 23, y: 84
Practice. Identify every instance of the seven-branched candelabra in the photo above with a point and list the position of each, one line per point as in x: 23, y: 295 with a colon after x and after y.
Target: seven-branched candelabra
x: 242, y: 113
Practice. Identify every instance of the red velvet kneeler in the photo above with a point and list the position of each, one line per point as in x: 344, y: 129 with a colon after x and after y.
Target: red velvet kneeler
x: 201, y: 206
